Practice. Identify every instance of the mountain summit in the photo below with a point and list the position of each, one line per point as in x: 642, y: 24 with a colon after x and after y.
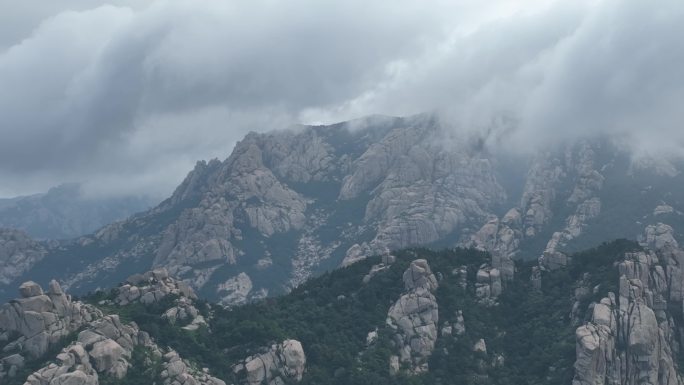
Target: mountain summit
x: 293, y: 203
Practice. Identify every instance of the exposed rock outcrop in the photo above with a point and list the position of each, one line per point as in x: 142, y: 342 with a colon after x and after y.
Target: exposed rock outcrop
x: 236, y: 290
x: 284, y: 361
x: 631, y: 338
x: 155, y: 285
x: 72, y: 367
x: 588, y: 184
x: 421, y: 190
x: 414, y: 318
x: 488, y: 284
x: 152, y: 287
x: 42, y: 320
x: 177, y: 371
x: 18, y: 253
x: 501, y: 238
x: 103, y: 346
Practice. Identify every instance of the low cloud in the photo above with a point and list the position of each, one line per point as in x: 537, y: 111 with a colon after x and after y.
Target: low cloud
x: 128, y: 97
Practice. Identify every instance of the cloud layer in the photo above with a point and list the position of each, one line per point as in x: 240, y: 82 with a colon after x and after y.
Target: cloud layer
x: 128, y: 97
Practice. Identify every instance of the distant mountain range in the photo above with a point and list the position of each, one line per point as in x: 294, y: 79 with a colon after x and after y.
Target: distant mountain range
x: 63, y: 212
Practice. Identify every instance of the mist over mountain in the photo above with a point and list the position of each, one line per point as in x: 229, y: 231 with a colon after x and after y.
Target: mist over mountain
x: 64, y: 212
x: 291, y: 204
x: 341, y: 193
x: 153, y: 86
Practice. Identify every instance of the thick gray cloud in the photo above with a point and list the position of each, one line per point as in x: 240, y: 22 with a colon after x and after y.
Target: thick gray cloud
x: 128, y: 96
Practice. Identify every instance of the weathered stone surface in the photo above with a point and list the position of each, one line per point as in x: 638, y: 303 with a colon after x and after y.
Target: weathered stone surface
x: 419, y: 276
x: 488, y: 285
x: 152, y: 287
x: 108, y: 356
x: 104, y: 344
x: 236, y: 290
x: 30, y: 289
x: 415, y: 317
x: 73, y: 368
x: 18, y: 253
x: 42, y: 320
x: 501, y: 239
x: 629, y: 339
x: 178, y: 371
x: 480, y: 346
x: 421, y: 190
x: 284, y: 361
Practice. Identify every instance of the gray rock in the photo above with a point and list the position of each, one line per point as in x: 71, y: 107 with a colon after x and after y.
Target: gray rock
x: 284, y: 361
x: 480, y: 346
x: 235, y: 290
x: 488, y: 285
x: 415, y: 317
x: 418, y: 275
x: 626, y: 342
x: 108, y: 356
x: 42, y: 320
x: 30, y: 289
x: 18, y: 254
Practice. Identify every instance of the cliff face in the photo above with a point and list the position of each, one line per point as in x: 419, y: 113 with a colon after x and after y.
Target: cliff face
x: 634, y: 336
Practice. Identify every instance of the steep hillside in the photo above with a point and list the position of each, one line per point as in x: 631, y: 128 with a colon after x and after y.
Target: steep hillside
x: 612, y: 315
x: 291, y: 204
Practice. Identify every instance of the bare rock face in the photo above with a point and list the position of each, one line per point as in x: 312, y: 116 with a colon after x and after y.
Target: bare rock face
x: 42, y: 320
x: 501, y: 238
x: 630, y: 338
x: 30, y: 289
x: 421, y: 190
x: 235, y: 290
x: 155, y: 285
x: 18, y: 253
x: 415, y: 318
x: 72, y: 367
x: 152, y: 287
x: 588, y: 184
x: 178, y: 371
x: 419, y: 276
x: 281, y: 362
x: 388, y: 183
x: 103, y: 346
x: 488, y: 285
x: 540, y: 192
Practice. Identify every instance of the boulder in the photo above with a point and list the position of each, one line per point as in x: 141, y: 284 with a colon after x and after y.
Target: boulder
x: 30, y: 289
x: 281, y: 362
x: 108, y: 356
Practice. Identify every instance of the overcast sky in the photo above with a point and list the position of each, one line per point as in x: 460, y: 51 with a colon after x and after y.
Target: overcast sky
x: 127, y: 95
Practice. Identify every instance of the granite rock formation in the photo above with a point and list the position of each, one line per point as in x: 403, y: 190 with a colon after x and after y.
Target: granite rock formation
x: 414, y: 317
x: 631, y: 337
x: 281, y: 362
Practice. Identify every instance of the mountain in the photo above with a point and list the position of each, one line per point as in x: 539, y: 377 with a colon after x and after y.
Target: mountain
x: 291, y: 204
x: 63, y: 212
x: 611, y: 315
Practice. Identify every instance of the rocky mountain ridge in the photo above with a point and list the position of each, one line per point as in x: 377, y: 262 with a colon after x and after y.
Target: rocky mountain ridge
x: 290, y: 204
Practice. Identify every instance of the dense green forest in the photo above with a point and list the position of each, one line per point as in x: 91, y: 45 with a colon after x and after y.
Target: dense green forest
x: 529, y: 335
